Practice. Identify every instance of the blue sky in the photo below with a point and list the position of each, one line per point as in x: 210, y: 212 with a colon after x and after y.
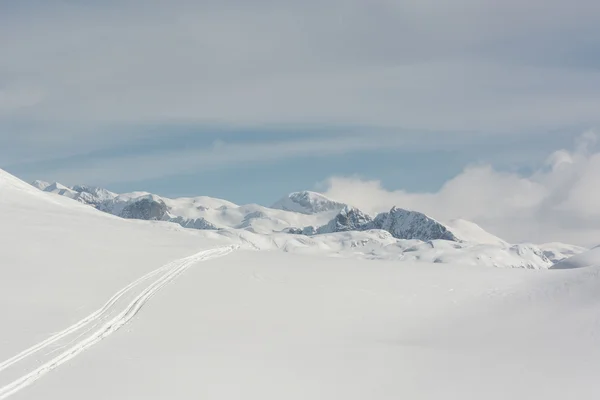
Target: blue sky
x: 251, y: 100
x: 411, y: 162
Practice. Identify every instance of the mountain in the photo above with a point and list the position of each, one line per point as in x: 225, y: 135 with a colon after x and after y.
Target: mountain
x: 334, y: 228
x: 93, y: 195
x: 377, y: 244
x: 200, y: 212
x: 557, y: 252
x: 84, y: 194
x: 348, y: 219
x: 401, y: 223
x: 590, y: 258
x: 469, y: 231
x: 313, y: 212
x: 42, y: 185
x: 147, y: 209
x: 306, y: 202
x: 405, y: 224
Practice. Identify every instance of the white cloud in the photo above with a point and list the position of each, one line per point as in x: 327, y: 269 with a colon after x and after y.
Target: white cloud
x: 555, y: 203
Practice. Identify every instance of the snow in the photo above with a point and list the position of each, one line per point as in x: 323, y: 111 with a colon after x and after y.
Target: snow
x: 201, y: 212
x: 61, y: 259
x: 256, y: 325
x: 90, y: 337
x: 298, y: 317
x: 42, y: 185
x: 560, y: 251
x: 477, y: 247
x: 585, y: 259
x: 470, y: 232
x: 307, y: 202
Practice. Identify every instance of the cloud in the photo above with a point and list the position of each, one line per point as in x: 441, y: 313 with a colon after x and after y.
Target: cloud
x: 422, y: 65
x: 557, y: 202
x: 16, y: 98
x: 218, y: 155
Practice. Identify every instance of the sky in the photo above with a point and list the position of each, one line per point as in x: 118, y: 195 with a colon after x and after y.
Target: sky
x: 251, y: 100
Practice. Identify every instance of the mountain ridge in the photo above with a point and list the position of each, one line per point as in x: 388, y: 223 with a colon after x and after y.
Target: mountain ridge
x: 325, y: 223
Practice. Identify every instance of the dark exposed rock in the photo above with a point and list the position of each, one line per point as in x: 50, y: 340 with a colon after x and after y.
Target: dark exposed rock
x: 197, y: 223
x: 349, y: 219
x: 400, y: 223
x: 405, y: 224
x: 146, y: 209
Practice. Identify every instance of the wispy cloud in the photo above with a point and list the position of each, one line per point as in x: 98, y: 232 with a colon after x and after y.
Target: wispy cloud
x: 132, y: 168
x: 16, y: 98
x: 422, y: 65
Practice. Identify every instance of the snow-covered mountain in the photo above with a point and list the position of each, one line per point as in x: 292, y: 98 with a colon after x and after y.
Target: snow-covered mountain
x: 84, y: 194
x: 307, y: 202
x: 326, y: 226
x: 348, y: 219
x: 590, y: 258
x: 202, y: 212
x: 377, y: 244
x: 557, y: 252
x: 406, y: 224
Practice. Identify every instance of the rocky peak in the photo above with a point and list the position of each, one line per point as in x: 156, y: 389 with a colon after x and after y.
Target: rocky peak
x: 348, y: 219
x: 146, y: 208
x: 405, y: 224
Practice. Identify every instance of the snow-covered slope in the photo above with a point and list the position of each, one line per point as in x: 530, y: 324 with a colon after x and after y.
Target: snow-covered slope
x: 274, y: 326
x: 468, y: 231
x: 60, y: 260
x: 97, y: 307
x: 377, y: 244
x: 557, y: 252
x: 590, y: 258
x: 307, y: 202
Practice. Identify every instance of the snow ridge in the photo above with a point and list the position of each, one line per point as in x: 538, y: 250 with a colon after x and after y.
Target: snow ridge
x: 401, y: 223
x: 307, y: 202
x: 409, y: 235
x: 203, y: 213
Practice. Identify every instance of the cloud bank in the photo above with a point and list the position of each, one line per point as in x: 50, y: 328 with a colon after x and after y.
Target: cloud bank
x: 427, y: 64
x: 559, y: 201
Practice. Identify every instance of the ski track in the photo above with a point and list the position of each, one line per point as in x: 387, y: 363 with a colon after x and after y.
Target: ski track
x: 172, y: 270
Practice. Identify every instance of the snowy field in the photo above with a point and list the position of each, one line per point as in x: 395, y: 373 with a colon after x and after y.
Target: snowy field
x: 208, y: 318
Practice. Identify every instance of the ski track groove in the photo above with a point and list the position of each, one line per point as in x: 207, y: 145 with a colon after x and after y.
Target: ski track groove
x: 173, y: 270
x: 96, y: 315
